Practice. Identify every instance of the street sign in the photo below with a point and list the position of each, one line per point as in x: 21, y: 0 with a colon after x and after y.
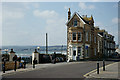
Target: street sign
x: 86, y: 47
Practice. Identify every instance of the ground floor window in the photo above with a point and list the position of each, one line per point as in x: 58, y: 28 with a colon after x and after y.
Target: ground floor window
x: 70, y: 51
x: 74, y: 52
x: 79, y: 51
x: 86, y: 52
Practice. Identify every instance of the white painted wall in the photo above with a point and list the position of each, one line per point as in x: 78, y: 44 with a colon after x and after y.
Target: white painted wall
x: 11, y: 55
x: 35, y: 55
x: 75, y: 47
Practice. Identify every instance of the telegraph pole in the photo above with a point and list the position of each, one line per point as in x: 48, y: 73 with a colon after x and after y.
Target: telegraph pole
x: 46, y: 45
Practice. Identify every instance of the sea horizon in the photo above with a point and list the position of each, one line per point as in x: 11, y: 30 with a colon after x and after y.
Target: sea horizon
x: 28, y: 50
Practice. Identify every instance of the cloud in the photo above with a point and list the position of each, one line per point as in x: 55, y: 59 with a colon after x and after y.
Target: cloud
x: 83, y: 6
x: 28, y: 6
x: 95, y: 0
x: 45, y: 14
x: 115, y: 20
x: 54, y: 26
x: 36, y: 5
x: 13, y: 15
x: 56, y: 30
x: 11, y: 12
x: 66, y: 7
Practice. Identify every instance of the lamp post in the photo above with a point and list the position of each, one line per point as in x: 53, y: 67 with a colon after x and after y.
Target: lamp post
x: 54, y: 57
x: 61, y: 49
x: 6, y: 51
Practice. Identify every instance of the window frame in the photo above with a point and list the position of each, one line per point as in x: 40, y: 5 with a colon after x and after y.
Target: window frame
x: 73, y: 36
x: 75, y: 23
x: 95, y: 52
x: 79, y: 49
x: 86, y: 35
x: 95, y: 39
x: 79, y: 33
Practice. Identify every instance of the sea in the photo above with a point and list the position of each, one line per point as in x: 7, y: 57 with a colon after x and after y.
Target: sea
x: 26, y: 51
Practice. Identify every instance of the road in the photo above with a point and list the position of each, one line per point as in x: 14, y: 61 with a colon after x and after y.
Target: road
x: 76, y: 70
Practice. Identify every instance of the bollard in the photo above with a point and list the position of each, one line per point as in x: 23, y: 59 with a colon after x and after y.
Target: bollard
x: 33, y: 65
x: 24, y: 65
x: 4, y: 67
x: 54, y: 58
x: 103, y: 65
x: 55, y: 61
x: 98, y: 68
x: 15, y: 65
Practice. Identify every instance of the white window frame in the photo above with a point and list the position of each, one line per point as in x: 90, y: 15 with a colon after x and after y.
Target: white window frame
x: 80, y: 51
x: 80, y: 36
x: 94, y: 39
x: 98, y: 46
x: 86, y: 36
x: 90, y: 37
x: 75, y: 22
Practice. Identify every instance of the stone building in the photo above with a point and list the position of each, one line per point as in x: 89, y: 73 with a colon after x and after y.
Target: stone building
x: 107, y: 44
x: 82, y: 37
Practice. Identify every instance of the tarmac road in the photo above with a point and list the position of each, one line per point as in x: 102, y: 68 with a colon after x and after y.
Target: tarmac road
x: 76, y: 70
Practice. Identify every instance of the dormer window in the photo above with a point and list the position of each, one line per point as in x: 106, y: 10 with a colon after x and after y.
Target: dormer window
x: 75, y: 23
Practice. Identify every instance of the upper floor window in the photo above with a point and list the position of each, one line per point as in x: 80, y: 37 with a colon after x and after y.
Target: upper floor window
x: 75, y: 22
x: 90, y: 36
x: 79, y: 36
x: 74, y: 36
x: 86, y: 36
x: 95, y: 51
x: 95, y: 39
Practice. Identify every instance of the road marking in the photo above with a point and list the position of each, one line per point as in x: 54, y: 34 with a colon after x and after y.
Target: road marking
x: 87, y: 74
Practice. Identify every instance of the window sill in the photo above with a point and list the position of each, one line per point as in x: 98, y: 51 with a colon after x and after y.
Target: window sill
x: 74, y: 40
x: 79, y: 40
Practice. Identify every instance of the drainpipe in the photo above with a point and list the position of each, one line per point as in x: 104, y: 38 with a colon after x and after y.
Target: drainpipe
x: 83, y: 41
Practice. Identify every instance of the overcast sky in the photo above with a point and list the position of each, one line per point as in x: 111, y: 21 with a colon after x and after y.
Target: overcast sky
x: 26, y: 23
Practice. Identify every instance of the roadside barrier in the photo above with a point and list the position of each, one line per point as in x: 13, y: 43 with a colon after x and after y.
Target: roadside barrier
x: 11, y: 65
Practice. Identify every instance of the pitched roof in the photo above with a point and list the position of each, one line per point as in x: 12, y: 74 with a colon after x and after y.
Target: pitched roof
x: 84, y: 19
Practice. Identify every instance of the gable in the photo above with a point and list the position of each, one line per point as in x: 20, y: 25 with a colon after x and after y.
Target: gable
x: 75, y: 16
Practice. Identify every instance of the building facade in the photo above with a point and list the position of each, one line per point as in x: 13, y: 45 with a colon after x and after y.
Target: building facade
x: 83, y: 38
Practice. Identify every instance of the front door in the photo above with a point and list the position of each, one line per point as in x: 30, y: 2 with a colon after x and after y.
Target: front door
x: 74, y: 54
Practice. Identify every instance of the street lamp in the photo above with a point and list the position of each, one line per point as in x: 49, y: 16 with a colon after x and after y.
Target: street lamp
x: 38, y: 48
x: 6, y: 50
x: 61, y: 49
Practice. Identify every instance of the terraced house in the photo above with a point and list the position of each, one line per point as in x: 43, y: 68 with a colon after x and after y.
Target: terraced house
x: 83, y: 38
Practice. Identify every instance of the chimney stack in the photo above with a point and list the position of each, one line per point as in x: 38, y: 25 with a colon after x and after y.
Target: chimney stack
x: 69, y: 14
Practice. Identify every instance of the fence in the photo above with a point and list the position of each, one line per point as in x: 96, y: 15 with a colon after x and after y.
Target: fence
x: 9, y: 65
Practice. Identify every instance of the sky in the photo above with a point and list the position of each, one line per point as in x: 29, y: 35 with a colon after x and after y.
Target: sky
x: 26, y: 23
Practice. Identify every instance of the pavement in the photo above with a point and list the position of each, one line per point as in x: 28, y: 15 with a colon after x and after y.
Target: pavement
x: 111, y: 72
